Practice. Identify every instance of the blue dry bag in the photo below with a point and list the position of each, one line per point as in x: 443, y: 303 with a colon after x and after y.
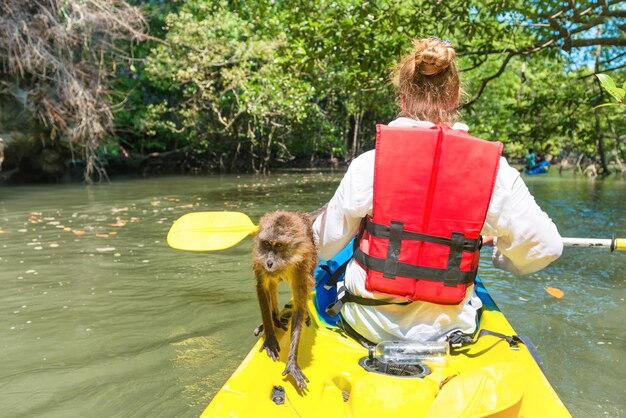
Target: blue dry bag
x: 327, y: 274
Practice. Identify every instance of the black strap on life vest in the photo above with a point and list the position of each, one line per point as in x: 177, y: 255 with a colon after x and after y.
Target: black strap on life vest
x: 391, y: 267
x: 451, y: 276
x: 384, y: 231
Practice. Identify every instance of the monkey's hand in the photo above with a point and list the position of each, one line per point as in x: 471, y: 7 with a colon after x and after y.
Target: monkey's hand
x: 294, y: 370
x: 271, y: 347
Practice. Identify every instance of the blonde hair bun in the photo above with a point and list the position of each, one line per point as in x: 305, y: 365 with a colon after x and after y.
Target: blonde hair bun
x: 432, y: 55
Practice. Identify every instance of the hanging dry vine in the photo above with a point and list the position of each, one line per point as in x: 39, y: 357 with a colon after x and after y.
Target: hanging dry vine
x: 62, y: 53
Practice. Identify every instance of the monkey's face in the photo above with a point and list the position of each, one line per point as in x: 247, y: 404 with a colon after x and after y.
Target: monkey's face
x: 281, y: 242
x: 273, y: 255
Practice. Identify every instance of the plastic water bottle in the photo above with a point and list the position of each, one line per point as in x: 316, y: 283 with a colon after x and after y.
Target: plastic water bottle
x: 411, y: 352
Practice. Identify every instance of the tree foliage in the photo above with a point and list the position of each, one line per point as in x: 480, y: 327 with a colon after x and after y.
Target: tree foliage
x: 227, y: 86
x: 244, y: 86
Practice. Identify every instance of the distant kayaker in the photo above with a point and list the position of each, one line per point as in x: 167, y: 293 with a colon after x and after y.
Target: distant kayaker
x: 531, y: 159
x: 415, y: 206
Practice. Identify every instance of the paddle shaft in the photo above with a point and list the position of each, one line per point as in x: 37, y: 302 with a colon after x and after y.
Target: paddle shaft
x: 211, y: 231
x: 612, y: 244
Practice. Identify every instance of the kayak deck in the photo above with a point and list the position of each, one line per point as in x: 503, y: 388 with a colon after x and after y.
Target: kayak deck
x: 485, y: 379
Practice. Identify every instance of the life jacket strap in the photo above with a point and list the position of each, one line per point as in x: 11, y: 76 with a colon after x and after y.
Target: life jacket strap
x: 384, y: 231
x: 391, y: 266
x: 451, y: 276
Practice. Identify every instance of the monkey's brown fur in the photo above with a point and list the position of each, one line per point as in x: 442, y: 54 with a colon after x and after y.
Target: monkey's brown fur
x: 284, y: 250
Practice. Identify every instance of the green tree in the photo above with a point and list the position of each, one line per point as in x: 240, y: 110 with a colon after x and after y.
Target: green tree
x: 245, y: 83
x: 229, y: 95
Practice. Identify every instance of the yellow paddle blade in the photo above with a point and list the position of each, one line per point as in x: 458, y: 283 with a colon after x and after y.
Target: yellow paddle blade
x: 209, y: 231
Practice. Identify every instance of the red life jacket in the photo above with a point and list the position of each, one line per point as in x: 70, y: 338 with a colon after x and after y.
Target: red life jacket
x: 432, y: 188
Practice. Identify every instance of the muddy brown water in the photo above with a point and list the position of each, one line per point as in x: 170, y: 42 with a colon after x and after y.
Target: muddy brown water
x: 100, y: 318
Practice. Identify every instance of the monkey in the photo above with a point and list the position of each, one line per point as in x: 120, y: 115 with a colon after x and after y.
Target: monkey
x: 284, y: 250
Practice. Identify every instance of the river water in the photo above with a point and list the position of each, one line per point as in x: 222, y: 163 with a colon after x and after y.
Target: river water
x: 100, y: 318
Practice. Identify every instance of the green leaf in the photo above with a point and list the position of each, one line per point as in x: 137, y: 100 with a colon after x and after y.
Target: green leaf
x: 606, y: 80
x: 609, y: 85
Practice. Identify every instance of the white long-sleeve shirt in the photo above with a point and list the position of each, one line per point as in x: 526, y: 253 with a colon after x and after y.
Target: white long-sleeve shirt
x: 526, y: 241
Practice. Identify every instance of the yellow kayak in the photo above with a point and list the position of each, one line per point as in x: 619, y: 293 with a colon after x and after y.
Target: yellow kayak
x: 488, y: 378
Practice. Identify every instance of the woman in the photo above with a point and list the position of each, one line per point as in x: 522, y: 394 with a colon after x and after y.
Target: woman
x: 525, y: 239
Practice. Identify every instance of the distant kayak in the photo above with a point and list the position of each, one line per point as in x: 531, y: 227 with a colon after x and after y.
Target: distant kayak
x: 541, y: 168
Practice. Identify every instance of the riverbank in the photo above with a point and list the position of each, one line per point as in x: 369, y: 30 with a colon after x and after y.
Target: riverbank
x: 27, y: 163
x: 30, y: 164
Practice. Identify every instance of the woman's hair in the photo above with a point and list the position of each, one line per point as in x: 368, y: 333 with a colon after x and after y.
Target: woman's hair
x: 427, y: 82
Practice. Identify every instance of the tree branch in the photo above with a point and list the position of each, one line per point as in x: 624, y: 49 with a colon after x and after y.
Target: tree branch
x: 486, y: 80
x: 578, y: 43
x: 561, y: 38
x: 603, y: 71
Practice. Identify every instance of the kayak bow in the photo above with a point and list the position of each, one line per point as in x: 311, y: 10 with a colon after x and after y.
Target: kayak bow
x: 487, y: 378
